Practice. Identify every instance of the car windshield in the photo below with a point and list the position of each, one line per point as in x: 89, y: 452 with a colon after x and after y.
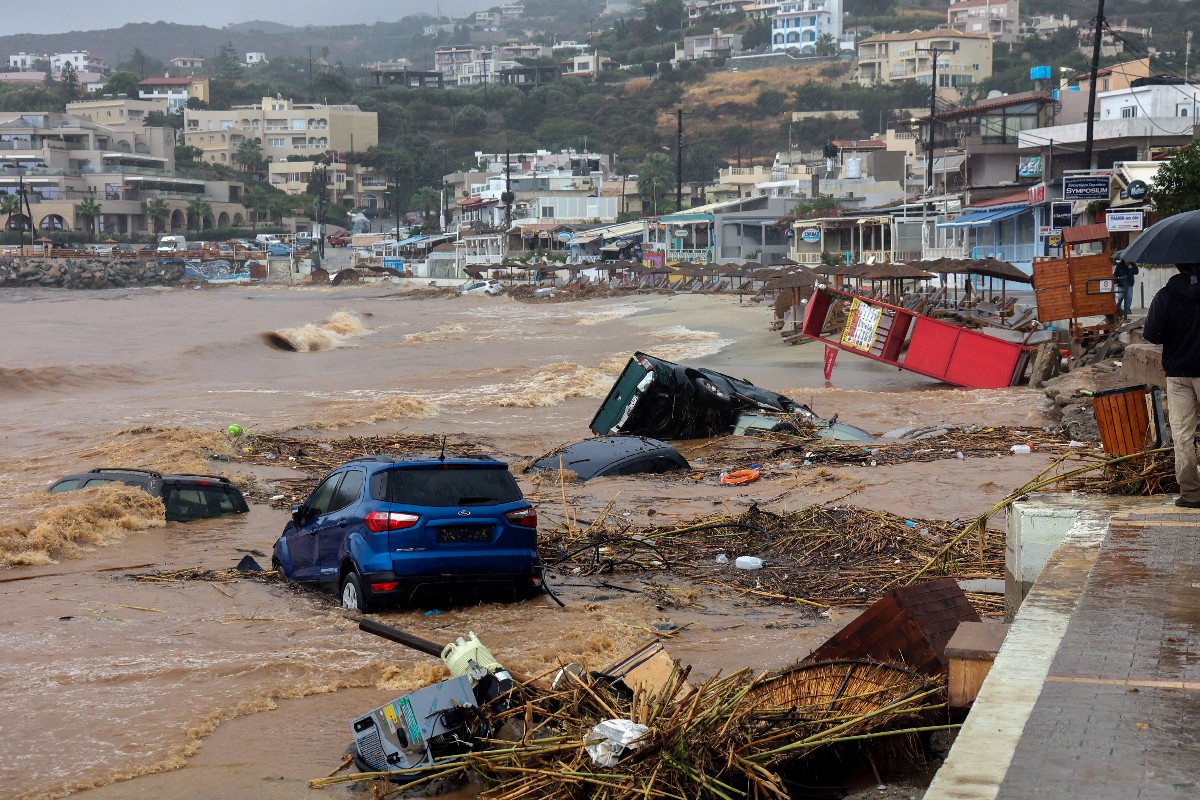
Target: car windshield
x: 441, y: 486
x: 185, y: 503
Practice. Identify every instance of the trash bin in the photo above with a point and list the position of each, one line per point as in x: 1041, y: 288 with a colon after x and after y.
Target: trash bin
x: 1130, y: 419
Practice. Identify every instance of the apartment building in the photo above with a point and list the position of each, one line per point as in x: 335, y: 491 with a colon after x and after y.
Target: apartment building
x: 117, y: 111
x: 1000, y: 18
x: 176, y: 91
x: 963, y: 58
x: 349, y: 185
x: 63, y: 158
x: 187, y: 63
x: 799, y: 24
x: 708, y: 45
x: 283, y: 129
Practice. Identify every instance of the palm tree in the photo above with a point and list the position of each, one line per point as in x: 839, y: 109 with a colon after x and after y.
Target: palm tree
x: 654, y: 178
x: 257, y: 201
x: 157, y: 211
x: 198, y: 208
x: 249, y: 156
x: 425, y: 200
x: 9, y: 204
x: 90, y: 210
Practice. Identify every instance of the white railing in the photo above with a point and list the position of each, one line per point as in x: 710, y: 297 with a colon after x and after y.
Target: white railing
x: 701, y: 256
x: 1006, y: 252
x: 929, y: 253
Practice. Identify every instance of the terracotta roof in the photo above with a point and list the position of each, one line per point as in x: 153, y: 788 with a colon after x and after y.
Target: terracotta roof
x: 941, y: 33
x: 859, y: 144
x: 1096, y: 232
x: 166, y: 81
x: 991, y: 104
x: 1005, y: 200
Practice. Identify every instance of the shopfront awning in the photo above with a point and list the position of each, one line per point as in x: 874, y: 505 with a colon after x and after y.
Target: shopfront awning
x: 981, y: 217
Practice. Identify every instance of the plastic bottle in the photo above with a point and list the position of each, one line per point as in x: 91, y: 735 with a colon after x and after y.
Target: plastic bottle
x: 1021, y: 449
x: 748, y: 562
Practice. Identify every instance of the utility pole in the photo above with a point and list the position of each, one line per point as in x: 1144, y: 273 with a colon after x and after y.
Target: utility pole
x: 507, y: 197
x: 1098, y: 34
x: 679, y: 162
x: 321, y: 213
x: 934, y: 53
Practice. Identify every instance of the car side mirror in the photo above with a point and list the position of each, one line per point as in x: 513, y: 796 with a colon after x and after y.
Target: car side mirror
x: 299, y: 512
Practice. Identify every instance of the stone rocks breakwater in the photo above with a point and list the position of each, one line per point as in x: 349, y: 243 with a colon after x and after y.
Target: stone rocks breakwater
x: 89, y: 273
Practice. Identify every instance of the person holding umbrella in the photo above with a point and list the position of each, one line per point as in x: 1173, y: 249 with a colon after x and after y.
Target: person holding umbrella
x: 1174, y: 322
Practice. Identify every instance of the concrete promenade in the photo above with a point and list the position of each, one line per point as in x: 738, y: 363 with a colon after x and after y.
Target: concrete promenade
x: 1095, y: 693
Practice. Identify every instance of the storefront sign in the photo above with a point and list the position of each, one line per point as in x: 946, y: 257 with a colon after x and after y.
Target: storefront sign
x: 1086, y: 187
x: 1029, y: 167
x: 1046, y: 230
x: 1136, y: 190
x: 1037, y: 194
x: 811, y: 234
x: 1123, y: 221
x: 1060, y: 215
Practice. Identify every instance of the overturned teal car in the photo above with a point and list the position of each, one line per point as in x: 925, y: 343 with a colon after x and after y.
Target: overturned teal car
x: 659, y: 398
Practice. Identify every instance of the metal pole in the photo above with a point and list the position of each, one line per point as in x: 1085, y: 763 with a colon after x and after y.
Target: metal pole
x: 1091, y: 111
x: 933, y: 52
x: 679, y: 162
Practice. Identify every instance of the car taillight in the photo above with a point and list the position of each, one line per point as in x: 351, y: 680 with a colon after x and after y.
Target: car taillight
x: 525, y: 517
x: 378, y: 521
x: 390, y: 586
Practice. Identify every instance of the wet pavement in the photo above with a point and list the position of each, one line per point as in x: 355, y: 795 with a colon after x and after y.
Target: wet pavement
x: 1096, y: 692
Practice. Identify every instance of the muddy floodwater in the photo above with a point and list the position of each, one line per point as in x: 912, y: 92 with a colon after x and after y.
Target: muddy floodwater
x: 118, y: 688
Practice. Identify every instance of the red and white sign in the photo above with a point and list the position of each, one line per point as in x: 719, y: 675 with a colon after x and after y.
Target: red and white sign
x: 1037, y: 194
x: 830, y: 359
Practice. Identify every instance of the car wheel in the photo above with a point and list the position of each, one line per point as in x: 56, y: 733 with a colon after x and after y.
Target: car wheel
x: 785, y: 427
x: 712, y: 394
x: 354, y: 598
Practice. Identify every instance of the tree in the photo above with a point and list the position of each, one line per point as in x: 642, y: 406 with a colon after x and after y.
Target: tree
x: 227, y: 66
x: 469, y: 119
x: 666, y: 15
x: 758, y: 34
x: 1176, y: 185
x: 157, y: 211
x: 257, y: 200
x: 10, y: 204
x: 249, y: 156
x: 161, y: 119
x: 187, y: 155
x: 426, y: 200
x: 122, y: 82
x: 655, y: 176
x: 89, y: 209
x: 197, y: 209
x: 736, y: 136
x: 331, y: 86
x: 69, y: 81
x: 827, y: 45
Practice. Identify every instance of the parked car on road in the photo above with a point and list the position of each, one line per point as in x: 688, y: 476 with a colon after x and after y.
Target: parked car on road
x: 101, y: 249
x: 489, y: 286
x: 125, y: 249
x: 339, y: 239
x: 279, y: 249
x: 604, y: 456
x: 186, y: 497
x: 380, y: 529
x: 656, y: 397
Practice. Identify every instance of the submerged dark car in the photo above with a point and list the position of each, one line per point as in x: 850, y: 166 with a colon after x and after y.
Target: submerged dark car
x: 656, y: 397
x: 186, y: 497
x: 612, y: 455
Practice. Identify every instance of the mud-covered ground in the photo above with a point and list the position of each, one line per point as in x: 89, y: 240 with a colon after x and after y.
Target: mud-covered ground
x: 244, y: 688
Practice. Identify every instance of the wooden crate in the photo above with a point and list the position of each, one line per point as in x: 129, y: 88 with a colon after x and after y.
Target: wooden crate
x: 971, y: 651
x: 1123, y: 417
x: 911, y: 625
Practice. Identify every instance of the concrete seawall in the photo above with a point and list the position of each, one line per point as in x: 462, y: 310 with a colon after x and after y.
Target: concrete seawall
x: 89, y: 273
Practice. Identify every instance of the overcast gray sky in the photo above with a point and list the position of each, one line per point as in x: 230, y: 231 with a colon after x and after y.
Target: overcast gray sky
x: 76, y: 15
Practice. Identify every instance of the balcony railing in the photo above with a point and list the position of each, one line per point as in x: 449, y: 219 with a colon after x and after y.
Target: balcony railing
x: 946, y: 252
x: 1006, y: 252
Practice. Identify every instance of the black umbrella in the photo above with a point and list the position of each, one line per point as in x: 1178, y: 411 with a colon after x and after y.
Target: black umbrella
x: 1174, y: 240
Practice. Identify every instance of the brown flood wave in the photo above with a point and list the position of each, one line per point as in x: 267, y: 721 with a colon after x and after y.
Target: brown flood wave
x: 312, y: 337
x: 16, y: 381
x: 64, y: 524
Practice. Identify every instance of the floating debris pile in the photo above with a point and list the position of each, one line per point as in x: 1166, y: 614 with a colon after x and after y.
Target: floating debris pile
x: 819, y: 556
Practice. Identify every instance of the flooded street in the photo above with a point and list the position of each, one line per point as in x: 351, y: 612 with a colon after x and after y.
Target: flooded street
x: 119, y: 688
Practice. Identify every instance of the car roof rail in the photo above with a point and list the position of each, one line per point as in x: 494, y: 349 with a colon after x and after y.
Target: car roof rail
x: 149, y: 472
x: 384, y: 459
x: 176, y: 475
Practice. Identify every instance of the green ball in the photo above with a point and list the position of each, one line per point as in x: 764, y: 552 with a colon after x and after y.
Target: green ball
x: 234, y: 430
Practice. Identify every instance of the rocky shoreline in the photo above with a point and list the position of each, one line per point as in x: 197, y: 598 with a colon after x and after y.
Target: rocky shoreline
x: 99, y: 273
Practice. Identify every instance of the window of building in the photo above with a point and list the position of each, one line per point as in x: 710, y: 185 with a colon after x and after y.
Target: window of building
x: 276, y: 141
x: 1129, y: 111
x: 212, y: 138
x: 548, y: 211
x: 298, y: 124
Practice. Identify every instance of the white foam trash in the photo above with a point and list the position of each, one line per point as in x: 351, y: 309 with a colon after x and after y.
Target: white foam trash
x: 748, y: 562
x: 616, y: 738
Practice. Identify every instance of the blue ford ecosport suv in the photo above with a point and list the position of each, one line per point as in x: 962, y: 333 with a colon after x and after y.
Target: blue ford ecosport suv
x: 381, y: 528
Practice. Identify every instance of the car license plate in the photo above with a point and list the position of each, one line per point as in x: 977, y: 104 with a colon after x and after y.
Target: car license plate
x: 464, y: 533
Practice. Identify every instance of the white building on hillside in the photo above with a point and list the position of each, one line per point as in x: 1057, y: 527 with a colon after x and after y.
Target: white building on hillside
x: 798, y: 24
